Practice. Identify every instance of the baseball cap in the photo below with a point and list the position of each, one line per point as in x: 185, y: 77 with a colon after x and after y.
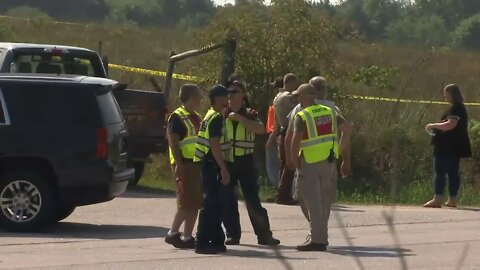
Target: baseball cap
x: 217, y: 91
x: 305, y: 89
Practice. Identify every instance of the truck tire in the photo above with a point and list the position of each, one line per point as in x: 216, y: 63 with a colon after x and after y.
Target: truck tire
x: 27, y: 201
x: 139, y: 169
x: 64, y: 211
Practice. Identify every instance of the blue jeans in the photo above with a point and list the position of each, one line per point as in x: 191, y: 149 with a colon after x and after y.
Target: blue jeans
x: 447, y: 165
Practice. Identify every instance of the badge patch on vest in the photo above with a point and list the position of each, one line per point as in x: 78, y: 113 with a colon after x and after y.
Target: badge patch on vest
x: 324, y: 125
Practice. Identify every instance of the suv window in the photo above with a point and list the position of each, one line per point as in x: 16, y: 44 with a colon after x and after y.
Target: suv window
x: 56, y: 62
x: 109, y: 108
x: 51, y: 104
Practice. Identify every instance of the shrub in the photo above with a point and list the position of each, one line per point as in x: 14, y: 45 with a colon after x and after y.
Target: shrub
x: 466, y: 34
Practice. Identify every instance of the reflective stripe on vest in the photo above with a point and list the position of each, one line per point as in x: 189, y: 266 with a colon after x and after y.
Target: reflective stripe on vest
x: 202, y: 146
x: 317, y: 147
x: 187, y: 145
x: 243, y: 141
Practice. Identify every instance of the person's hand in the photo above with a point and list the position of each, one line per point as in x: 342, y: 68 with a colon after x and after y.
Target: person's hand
x: 225, y: 176
x: 345, y: 169
x: 430, y: 126
x: 179, y: 171
x: 179, y: 186
x: 236, y: 117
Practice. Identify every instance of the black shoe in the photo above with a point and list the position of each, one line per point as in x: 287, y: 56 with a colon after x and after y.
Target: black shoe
x: 221, y: 248
x: 268, y: 241
x: 206, y: 249
x: 232, y: 241
x: 287, y: 202
x: 189, y: 244
x: 310, y: 246
x: 173, y: 240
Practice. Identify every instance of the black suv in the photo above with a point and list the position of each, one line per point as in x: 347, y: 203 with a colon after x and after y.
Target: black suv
x: 63, y: 144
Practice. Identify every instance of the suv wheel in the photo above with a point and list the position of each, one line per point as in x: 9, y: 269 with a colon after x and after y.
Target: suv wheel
x: 139, y: 169
x: 64, y: 211
x: 27, y: 201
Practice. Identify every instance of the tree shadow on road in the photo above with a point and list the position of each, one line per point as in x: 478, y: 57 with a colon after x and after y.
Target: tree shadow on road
x: 344, y: 208
x: 357, y: 251
x: 71, y: 230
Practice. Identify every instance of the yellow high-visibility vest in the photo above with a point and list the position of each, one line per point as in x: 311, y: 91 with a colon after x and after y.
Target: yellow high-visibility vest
x: 202, y: 146
x: 187, y: 145
x: 317, y: 147
x: 243, y: 141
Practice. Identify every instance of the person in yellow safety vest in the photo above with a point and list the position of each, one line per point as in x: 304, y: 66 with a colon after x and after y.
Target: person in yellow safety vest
x: 313, y: 145
x: 242, y: 124
x: 183, y: 126
x: 320, y: 84
x: 212, y: 150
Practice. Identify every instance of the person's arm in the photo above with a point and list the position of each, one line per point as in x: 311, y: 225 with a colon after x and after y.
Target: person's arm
x: 450, y: 124
x: 345, y: 129
x: 288, y: 141
x: 295, y: 148
x: 271, y: 139
x: 215, y: 147
x: 254, y: 126
x: 173, y: 142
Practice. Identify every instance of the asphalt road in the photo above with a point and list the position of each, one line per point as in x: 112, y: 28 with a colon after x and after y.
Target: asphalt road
x: 127, y: 233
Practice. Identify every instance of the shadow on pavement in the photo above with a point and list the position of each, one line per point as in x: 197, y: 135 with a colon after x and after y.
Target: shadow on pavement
x: 92, y: 231
x: 467, y: 209
x: 370, y: 251
x: 344, y: 208
x: 274, y: 254
x: 143, y: 192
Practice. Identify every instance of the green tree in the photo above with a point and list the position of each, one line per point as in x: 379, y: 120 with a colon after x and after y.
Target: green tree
x: 27, y: 12
x: 466, y: 35
x: 286, y: 37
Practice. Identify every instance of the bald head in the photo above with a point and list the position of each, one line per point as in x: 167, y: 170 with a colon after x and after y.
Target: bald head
x: 320, y: 85
x: 290, y: 82
x: 305, y: 94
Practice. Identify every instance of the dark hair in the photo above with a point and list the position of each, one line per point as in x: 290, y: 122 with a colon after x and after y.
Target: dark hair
x: 187, y: 91
x: 454, y: 92
x: 278, y: 83
x: 241, y: 85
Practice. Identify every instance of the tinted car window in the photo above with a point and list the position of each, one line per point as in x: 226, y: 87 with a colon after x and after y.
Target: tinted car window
x: 51, y: 104
x: 109, y: 108
x: 2, y: 114
x: 61, y: 62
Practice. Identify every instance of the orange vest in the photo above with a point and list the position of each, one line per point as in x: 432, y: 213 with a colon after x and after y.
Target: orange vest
x: 270, y: 120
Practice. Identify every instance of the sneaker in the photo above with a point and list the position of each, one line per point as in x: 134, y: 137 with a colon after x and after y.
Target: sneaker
x: 189, y: 244
x: 310, y: 246
x: 173, y: 240
x: 206, y: 249
x: 268, y: 241
x: 232, y: 241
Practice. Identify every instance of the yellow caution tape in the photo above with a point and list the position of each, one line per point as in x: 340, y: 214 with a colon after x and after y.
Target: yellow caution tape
x: 196, y: 79
x: 154, y: 72
x: 404, y: 100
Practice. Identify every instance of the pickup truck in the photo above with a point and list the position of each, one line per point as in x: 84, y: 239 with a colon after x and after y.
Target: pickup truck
x: 144, y: 111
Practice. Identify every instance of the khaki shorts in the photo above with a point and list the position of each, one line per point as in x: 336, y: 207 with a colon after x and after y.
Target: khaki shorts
x: 192, y: 196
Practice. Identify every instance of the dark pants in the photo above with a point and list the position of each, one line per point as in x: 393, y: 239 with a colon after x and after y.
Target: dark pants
x: 286, y: 175
x: 447, y: 165
x: 243, y: 171
x: 209, y: 230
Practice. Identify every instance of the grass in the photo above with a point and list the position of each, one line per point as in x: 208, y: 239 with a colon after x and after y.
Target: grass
x: 150, y: 48
x: 158, y: 177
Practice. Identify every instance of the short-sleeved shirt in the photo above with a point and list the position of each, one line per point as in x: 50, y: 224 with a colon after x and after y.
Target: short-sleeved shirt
x: 177, y: 126
x: 453, y: 142
x: 283, y: 104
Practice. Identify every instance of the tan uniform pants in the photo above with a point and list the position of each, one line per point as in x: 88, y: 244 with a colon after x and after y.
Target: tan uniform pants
x: 317, y: 187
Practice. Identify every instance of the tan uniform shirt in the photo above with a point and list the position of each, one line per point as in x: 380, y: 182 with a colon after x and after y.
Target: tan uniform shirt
x: 283, y: 104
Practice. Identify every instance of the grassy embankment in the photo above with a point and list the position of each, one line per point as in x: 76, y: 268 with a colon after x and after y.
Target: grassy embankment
x: 421, y: 75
